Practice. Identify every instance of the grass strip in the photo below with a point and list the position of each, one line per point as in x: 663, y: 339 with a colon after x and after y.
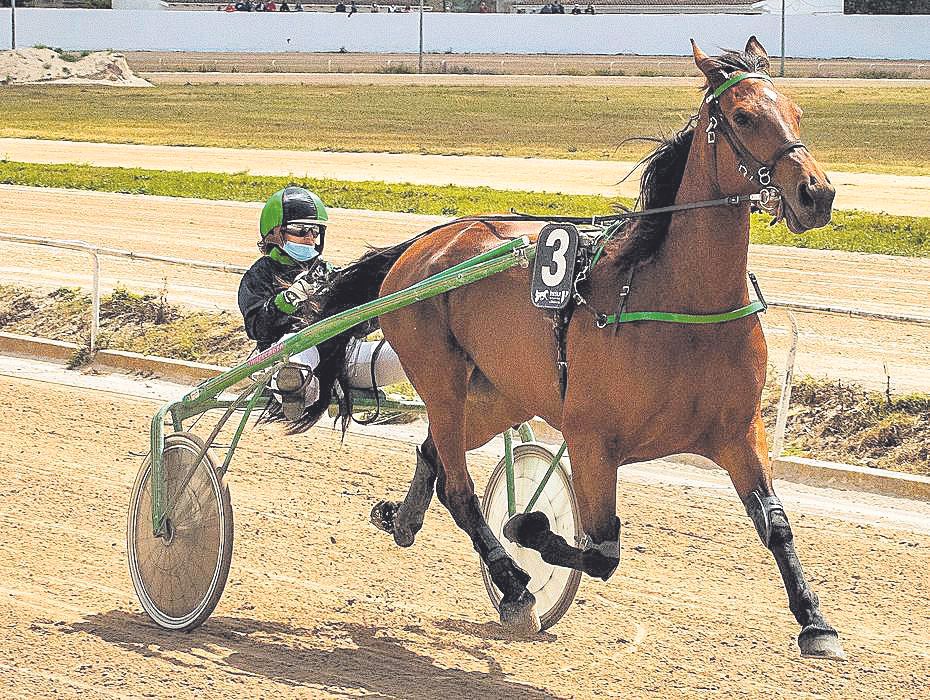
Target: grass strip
x: 829, y: 419
x: 852, y: 231
x: 590, y: 122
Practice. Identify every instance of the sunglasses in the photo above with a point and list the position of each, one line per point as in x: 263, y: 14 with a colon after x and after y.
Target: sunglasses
x: 302, y: 230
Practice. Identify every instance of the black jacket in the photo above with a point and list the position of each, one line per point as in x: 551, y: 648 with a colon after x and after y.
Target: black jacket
x: 261, y: 307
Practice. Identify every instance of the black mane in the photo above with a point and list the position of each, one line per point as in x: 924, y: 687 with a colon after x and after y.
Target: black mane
x: 665, y: 166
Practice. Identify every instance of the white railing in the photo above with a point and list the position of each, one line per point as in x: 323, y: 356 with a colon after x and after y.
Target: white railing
x: 96, y: 251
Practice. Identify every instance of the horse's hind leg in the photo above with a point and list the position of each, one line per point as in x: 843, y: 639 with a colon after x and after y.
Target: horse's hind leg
x: 443, y: 383
x: 405, y: 519
x: 747, y: 463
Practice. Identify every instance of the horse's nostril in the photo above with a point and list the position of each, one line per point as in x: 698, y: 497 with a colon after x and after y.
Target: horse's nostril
x: 805, y: 196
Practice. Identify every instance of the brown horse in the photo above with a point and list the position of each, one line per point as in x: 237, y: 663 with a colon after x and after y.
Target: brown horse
x: 483, y: 358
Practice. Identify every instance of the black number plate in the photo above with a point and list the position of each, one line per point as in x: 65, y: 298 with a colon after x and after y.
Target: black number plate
x: 554, y: 269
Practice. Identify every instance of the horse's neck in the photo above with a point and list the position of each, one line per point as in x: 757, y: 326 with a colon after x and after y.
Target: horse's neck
x: 701, y: 267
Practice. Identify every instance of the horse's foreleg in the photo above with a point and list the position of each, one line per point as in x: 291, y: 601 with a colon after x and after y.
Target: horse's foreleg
x: 595, y: 483
x: 405, y: 519
x: 751, y: 474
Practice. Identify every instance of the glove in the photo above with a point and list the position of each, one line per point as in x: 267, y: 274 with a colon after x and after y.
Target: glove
x: 300, y: 291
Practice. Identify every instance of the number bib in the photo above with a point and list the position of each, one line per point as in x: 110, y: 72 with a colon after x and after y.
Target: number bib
x: 554, y: 269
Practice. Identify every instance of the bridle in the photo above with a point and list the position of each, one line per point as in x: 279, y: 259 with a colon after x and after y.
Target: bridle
x: 748, y: 165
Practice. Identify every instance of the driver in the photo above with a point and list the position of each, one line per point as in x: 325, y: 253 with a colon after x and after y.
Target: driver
x: 290, y: 274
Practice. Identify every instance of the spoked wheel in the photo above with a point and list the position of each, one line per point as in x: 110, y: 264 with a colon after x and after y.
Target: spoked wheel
x: 553, y: 586
x: 179, y: 576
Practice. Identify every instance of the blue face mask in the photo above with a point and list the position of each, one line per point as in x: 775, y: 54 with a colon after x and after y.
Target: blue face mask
x: 300, y: 251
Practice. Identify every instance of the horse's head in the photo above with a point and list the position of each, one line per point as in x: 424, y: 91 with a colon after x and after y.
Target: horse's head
x: 753, y: 132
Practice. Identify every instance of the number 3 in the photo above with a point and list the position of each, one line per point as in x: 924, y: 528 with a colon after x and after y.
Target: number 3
x: 553, y: 273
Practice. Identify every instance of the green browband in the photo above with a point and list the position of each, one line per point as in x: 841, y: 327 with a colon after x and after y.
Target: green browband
x: 734, y: 79
x: 668, y: 317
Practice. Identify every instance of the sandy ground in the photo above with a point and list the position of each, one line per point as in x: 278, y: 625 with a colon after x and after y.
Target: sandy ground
x: 833, y: 345
x: 319, y: 604
x: 895, y: 194
x: 461, y: 80
x: 40, y: 65
x: 456, y: 66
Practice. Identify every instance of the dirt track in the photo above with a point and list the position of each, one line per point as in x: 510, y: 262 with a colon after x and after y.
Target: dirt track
x: 319, y: 604
x: 837, y: 346
x: 476, y: 67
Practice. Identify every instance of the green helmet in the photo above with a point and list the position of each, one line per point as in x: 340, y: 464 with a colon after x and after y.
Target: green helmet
x: 293, y: 204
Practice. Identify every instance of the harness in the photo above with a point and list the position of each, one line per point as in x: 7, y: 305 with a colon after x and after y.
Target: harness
x: 768, y: 199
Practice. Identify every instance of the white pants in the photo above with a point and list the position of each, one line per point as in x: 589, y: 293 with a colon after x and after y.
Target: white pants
x: 358, y: 366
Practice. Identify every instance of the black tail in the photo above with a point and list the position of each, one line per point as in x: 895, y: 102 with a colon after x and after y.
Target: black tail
x: 352, y: 286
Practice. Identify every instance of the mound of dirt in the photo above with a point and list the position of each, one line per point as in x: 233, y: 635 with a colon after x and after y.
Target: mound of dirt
x: 48, y: 66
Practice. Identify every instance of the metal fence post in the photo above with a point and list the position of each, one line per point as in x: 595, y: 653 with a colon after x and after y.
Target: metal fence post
x: 95, y: 305
x: 782, y: 419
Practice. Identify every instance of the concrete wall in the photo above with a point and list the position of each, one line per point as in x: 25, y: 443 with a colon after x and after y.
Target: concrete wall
x: 818, y: 36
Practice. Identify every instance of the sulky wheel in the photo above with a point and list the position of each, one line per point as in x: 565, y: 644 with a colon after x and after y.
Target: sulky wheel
x: 553, y: 586
x: 179, y: 577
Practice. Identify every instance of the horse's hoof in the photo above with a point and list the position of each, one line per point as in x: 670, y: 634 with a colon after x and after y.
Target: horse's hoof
x: 403, y: 537
x: 382, y: 515
x: 820, y: 643
x: 519, y: 616
x: 527, y: 529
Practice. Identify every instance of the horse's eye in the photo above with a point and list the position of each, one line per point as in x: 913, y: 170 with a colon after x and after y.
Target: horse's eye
x: 741, y: 118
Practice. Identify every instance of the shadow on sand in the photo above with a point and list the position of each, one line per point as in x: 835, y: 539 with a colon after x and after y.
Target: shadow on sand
x: 364, y: 658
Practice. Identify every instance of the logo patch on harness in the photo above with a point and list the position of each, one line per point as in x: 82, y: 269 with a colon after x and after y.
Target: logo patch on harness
x: 554, y: 269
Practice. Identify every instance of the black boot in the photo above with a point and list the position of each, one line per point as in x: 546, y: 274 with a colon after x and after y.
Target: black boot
x: 291, y: 383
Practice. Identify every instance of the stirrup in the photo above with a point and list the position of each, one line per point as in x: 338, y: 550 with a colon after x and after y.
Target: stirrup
x: 291, y: 383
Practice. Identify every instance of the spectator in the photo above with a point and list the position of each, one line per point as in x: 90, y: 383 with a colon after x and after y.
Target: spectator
x: 259, y: 7
x: 483, y: 7
x: 298, y: 7
x: 576, y: 10
x: 589, y: 10
x: 270, y: 6
x: 546, y: 9
x: 558, y: 8
x: 375, y: 8
x: 352, y: 8
x: 407, y: 8
x: 340, y: 6
x: 284, y: 7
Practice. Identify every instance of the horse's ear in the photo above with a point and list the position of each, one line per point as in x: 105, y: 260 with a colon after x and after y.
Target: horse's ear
x: 712, y: 69
x: 754, y: 48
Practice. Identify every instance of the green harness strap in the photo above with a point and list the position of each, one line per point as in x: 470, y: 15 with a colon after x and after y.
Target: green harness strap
x: 734, y: 79
x: 669, y: 317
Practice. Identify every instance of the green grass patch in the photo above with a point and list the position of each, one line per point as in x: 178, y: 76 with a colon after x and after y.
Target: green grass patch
x: 448, y: 200
x: 850, y: 230
x: 889, y: 133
